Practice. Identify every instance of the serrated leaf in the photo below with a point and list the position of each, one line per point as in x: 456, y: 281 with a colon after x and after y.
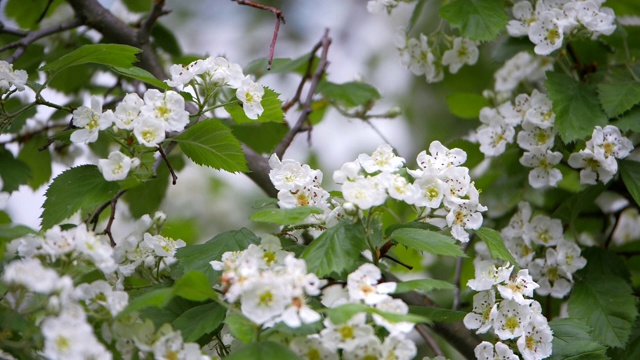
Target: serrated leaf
x: 106, y: 54
x: 429, y: 241
x: 616, y: 98
x: 199, y: 320
x: 12, y: 171
x: 632, y: 349
x: 261, y: 137
x: 194, y: 286
x: 156, y: 298
x: 575, y: 105
x: 266, y: 350
x: 143, y: 75
x: 197, y: 257
x: 571, y: 340
x: 39, y: 162
x: 629, y: 121
x: 271, y: 104
x: 477, y: 19
x: 78, y: 188
x: 466, y: 106
x: 438, y: 314
x: 241, y: 328
x: 495, y: 244
x: 607, y: 304
x: 336, y: 251
x: 424, y: 285
x: 285, y: 216
x: 350, y: 94
x: 210, y: 143
x: 630, y: 172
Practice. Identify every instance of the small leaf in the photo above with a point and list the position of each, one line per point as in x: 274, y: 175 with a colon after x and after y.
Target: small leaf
x: 13, y: 172
x: 477, y: 19
x: 138, y: 6
x: 106, y: 54
x: 337, y: 251
x: 199, y: 320
x: 266, y: 350
x: 271, y: 104
x: 194, y: 286
x: 466, y: 106
x: 241, y: 328
x: 576, y: 106
x: 618, y: 97
x: 630, y: 172
x: 209, y: 143
x: 143, y: 75
x: 285, y: 216
x: 495, y: 244
x: 350, y: 94
x: 81, y: 187
x: 571, y: 340
x: 424, y: 285
x: 157, y: 298
x: 39, y: 162
x: 429, y: 241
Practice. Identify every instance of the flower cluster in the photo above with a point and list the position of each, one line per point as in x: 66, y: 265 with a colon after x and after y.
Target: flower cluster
x: 11, y: 78
x: 512, y: 315
x: 598, y: 159
x: 547, y: 23
x: 522, y: 67
x: 538, y: 244
x: 297, y: 185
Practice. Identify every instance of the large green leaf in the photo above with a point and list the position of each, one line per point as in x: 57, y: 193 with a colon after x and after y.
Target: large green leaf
x: 426, y: 240
x: 337, y: 251
x: 632, y: 349
x: 607, y: 304
x: 241, y: 328
x: 143, y: 75
x: 13, y: 172
x: 571, y: 340
x: 106, y: 54
x: 199, y: 320
x: 267, y: 350
x: 271, y: 104
x: 194, y: 286
x: 197, y: 257
x: 576, y: 106
x: 209, y: 143
x: 466, y: 106
x: 495, y: 244
x: 155, y: 298
x: 477, y: 19
x: 350, y: 94
x: 285, y: 216
x: 618, y: 97
x: 423, y: 285
x: 261, y: 137
x: 629, y: 121
x: 630, y: 171
x: 26, y: 14
x: 81, y: 187
x: 39, y: 162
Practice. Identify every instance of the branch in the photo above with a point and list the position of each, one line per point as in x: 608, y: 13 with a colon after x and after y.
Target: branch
x: 155, y: 13
x: 325, y: 42
x: 112, y: 216
x: 456, y: 281
x: 32, y: 36
x: 279, y: 17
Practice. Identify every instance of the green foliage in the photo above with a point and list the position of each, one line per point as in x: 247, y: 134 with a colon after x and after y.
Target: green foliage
x: 194, y: 286
x: 155, y: 298
x: 261, y: 137
x: 337, y: 251
x: 285, y: 216
x: 466, y: 106
x: 576, y: 106
x: 341, y: 314
x: 241, y: 327
x: 199, y: 320
x: 571, y: 340
x: 349, y: 94
x: 618, y: 97
x: 137, y: 73
x: 14, y: 172
x: 137, y: 6
x: 630, y: 171
x: 438, y: 314
x: 429, y: 241
x: 79, y: 188
x: 27, y: 16
x: 424, y: 285
x: 477, y: 19
x: 39, y: 162
x: 629, y: 121
x: 272, y: 109
x: 267, y: 350
x: 210, y: 143
x: 10, y: 232
x: 106, y: 54
x: 282, y: 66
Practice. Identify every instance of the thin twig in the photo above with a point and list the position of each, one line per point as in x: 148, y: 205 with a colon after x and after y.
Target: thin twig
x: 10, y: 31
x: 30, y: 37
x: 44, y: 12
x: 279, y: 18
x: 397, y: 261
x: 307, y: 75
x: 306, y: 108
x: 164, y: 157
x: 112, y: 216
x: 456, y: 281
x: 156, y: 12
x: 422, y: 330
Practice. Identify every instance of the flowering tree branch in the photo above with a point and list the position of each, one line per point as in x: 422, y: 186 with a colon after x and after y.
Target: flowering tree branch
x: 29, y: 37
x: 279, y: 18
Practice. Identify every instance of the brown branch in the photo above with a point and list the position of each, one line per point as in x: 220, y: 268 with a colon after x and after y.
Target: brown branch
x: 279, y: 18
x: 307, y: 75
x: 32, y: 36
x: 10, y: 31
x: 112, y: 216
x: 174, y: 177
x: 156, y: 12
x: 306, y: 108
x: 422, y: 330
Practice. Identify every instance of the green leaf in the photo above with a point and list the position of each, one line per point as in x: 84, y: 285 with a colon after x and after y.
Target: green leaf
x: 415, y: 14
x: 337, y: 251
x: 39, y: 162
x: 350, y: 94
x: 209, y: 143
x: 629, y: 121
x: 267, y: 350
x: 576, y: 106
x: 106, y: 54
x: 438, y: 314
x: 632, y: 349
x: 630, y: 172
x: 341, y: 314
x: 272, y: 109
x: 199, y: 320
x: 466, y: 106
x: 282, y: 66
x: 618, y: 97
x: 495, y: 244
x: 10, y: 232
x: 571, y: 340
x: 429, y: 241
x: 241, y: 328
x: 424, y: 285
x: 607, y: 304
x: 261, y: 137
x: 81, y: 187
x: 26, y: 15
x: 13, y: 172
x: 165, y: 39
x: 138, y: 6
x: 194, y: 286
x: 285, y: 216
x: 197, y: 257
x: 143, y: 75
x: 477, y: 19
x: 157, y: 298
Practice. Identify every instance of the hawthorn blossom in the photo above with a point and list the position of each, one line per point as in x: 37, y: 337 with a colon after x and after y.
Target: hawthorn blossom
x: 553, y: 279
x: 611, y: 141
x: 364, y: 193
x: 149, y: 131
x: 487, y: 275
x: 595, y: 166
x: 362, y: 285
x: 167, y: 108
x: 116, y: 166
x: 250, y: 93
x: 542, y: 161
x: 464, y: 51
x: 346, y: 336
x: 536, y: 342
x: 10, y: 77
x: 543, y: 230
x: 487, y: 351
x: 483, y: 312
x: 264, y: 298
x: 383, y: 159
x: 511, y: 319
x: 546, y: 33
x: 517, y: 288
x: 90, y: 120
x: 127, y: 111
x: 312, y: 347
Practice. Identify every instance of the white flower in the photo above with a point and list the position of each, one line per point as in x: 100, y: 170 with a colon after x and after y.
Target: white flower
x: 540, y: 111
x: 383, y: 159
x: 366, y: 348
x: 311, y: 348
x: 10, y: 77
x: 464, y: 51
x: 493, y: 139
x: 542, y: 161
x: 521, y: 251
x: 517, y: 288
x: 69, y: 336
x: 611, y: 141
x: 546, y: 33
x: 535, y: 343
x: 250, y: 93
x: 487, y: 275
x: 167, y: 107
x: 511, y: 319
x: 117, y: 166
x: 441, y: 157
x: 127, y: 111
x: 421, y: 61
x: 348, y: 335
x: 464, y: 216
x: 264, y: 298
x: 364, y: 193
x: 553, y: 279
x: 398, y: 347
x: 376, y: 6
x: 350, y: 171
x: 569, y: 256
x: 172, y: 346
x: 90, y: 121
x: 362, y: 284
x: 595, y: 166
x: 31, y: 274
x: 162, y: 246
x: 393, y: 306
x: 483, y: 313
x: 518, y: 221
x: 149, y: 131
x: 522, y: 66
x: 100, y: 294
x: 485, y: 351
x: 303, y: 196
x: 430, y: 189
x: 289, y: 174
x: 222, y: 72
x: 180, y: 75
x: 400, y: 189
x: 523, y: 11
x: 532, y: 136
x: 543, y: 230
